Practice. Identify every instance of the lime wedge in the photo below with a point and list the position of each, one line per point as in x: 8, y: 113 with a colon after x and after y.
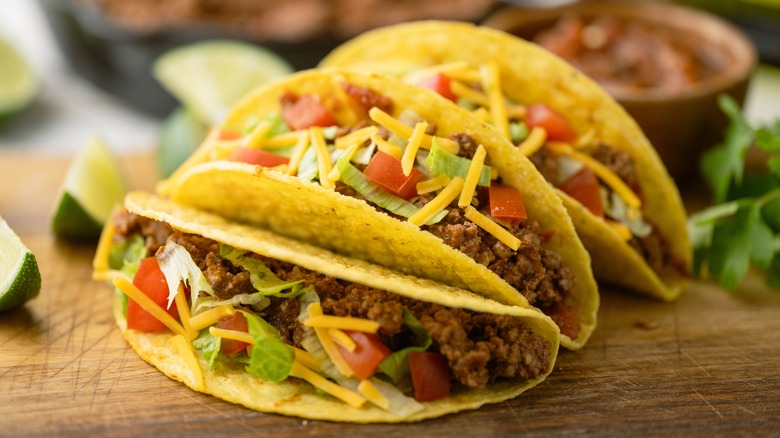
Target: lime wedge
x: 208, y: 77
x: 92, y: 186
x: 20, y: 279
x: 181, y: 134
x: 18, y: 86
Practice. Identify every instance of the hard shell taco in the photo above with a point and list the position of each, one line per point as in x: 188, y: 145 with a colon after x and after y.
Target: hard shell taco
x: 624, y: 205
x: 280, y: 326
x: 382, y: 171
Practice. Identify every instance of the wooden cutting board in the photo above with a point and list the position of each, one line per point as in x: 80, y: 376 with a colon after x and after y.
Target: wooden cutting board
x: 706, y: 364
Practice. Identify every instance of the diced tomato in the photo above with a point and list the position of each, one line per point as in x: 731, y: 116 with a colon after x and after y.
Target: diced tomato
x: 584, y: 187
x: 258, y: 157
x: 151, y: 281
x: 234, y: 322
x: 565, y: 317
x: 557, y: 127
x: 369, y: 352
x: 430, y: 375
x: 306, y: 112
x: 386, y: 171
x: 439, y: 83
x: 506, y: 202
x: 228, y: 135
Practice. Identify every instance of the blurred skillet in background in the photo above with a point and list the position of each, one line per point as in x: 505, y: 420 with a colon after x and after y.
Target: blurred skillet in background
x: 665, y: 63
x: 113, y: 43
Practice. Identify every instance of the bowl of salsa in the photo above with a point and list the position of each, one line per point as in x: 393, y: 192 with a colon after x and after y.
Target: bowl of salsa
x: 665, y: 63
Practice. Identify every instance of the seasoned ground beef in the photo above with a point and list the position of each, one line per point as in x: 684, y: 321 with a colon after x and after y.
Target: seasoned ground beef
x: 467, y: 146
x: 367, y: 99
x: 480, y: 348
x: 546, y: 163
x: 619, y: 162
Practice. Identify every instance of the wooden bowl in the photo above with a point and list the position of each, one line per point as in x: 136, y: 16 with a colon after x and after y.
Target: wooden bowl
x: 680, y: 124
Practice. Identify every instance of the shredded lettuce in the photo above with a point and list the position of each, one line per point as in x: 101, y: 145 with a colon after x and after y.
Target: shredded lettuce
x: 616, y: 208
x: 263, y: 279
x: 126, y: 257
x: 364, y: 155
x: 354, y: 178
x: 208, y: 346
x: 441, y: 161
x: 518, y: 131
x: 271, y: 358
x: 396, y: 366
x: 330, y: 132
x: 177, y: 266
x: 307, y: 169
x: 278, y: 126
x: 567, y: 167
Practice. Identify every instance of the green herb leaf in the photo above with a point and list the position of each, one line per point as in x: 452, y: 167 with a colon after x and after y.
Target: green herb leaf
x: 263, y: 279
x: 773, y: 274
x: 271, y: 358
x: 729, y: 255
x: 725, y: 163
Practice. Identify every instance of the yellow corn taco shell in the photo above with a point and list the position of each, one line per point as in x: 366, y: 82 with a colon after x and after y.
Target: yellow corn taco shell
x: 296, y: 397
x: 530, y: 74
x: 307, y: 211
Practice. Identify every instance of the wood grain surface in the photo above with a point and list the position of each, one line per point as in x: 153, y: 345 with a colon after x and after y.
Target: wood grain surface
x: 706, y: 364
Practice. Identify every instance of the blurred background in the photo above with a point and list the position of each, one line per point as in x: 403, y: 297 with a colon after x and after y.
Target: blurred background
x: 92, y: 58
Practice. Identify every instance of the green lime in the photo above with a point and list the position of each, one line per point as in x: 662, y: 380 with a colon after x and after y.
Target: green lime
x: 20, y: 279
x: 18, y: 86
x: 208, y: 77
x: 181, y: 134
x: 92, y: 186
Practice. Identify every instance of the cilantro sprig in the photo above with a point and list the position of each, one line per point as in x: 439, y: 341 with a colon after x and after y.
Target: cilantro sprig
x: 743, y: 225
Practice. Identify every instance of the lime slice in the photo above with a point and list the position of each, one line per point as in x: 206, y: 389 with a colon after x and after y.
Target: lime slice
x: 181, y: 134
x: 18, y: 86
x: 208, y: 77
x: 20, y: 279
x: 92, y: 186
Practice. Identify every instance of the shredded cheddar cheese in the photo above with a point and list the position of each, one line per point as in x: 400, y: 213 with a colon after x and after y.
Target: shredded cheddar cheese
x: 209, y: 317
x: 306, y: 359
x: 464, y: 91
x: 369, y: 391
x: 234, y: 335
x: 405, y: 132
x: 464, y: 74
x: 355, y: 138
x: 439, y: 203
x: 606, y: 175
x: 324, y: 163
x: 621, y: 229
x: 300, y: 149
x: 334, y: 174
x: 284, y: 140
x: 533, y: 142
x: 472, y: 177
x: 315, y: 310
x: 256, y: 137
x: 491, y: 227
x: 186, y: 352
x: 410, y: 153
x: 147, y: 304
x: 515, y: 112
x: 342, y: 339
x: 491, y: 83
x: 387, y: 147
x: 343, y: 323
x: 349, y: 397
x: 585, y: 139
x: 184, y: 313
x: 433, y: 184
x: 107, y: 275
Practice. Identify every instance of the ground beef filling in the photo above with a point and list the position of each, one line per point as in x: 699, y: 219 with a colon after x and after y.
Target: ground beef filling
x: 654, y: 248
x: 480, y: 348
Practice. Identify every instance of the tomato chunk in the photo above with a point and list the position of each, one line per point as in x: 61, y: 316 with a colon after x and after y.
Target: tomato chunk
x: 151, y: 281
x: 557, y: 127
x: 430, y: 375
x: 506, y: 202
x: 439, y: 83
x: 385, y: 171
x: 258, y: 157
x: 306, y: 112
x: 234, y: 322
x: 584, y: 187
x: 369, y: 352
